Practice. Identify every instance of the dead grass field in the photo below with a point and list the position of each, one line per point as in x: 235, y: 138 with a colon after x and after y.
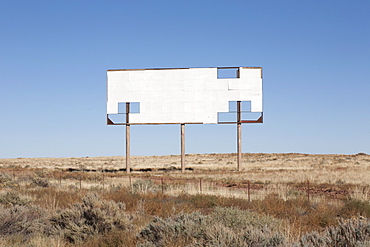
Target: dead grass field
x: 305, y: 193
x: 277, y: 168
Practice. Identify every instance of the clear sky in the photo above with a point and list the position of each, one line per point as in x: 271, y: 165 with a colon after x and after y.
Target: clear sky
x: 54, y: 56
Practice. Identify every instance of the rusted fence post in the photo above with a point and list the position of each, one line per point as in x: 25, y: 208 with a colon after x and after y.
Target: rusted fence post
x: 249, y: 191
x: 162, y: 183
x: 308, y: 190
x: 103, y: 178
x: 286, y: 191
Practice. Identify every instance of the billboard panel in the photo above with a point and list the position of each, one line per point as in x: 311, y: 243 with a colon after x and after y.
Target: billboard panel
x: 181, y: 96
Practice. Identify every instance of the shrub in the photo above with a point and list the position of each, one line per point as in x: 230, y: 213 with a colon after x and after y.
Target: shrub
x: 92, y: 216
x: 143, y: 186
x: 220, y: 235
x: 237, y: 219
x: 112, y: 239
x: 23, y: 220
x: 354, y: 207
x: 204, y: 201
x: 12, y: 198
x: 182, y: 229
x: 7, y: 180
x: 234, y: 227
x: 224, y: 227
x: 353, y: 232
x: 5, y: 177
x: 41, y: 182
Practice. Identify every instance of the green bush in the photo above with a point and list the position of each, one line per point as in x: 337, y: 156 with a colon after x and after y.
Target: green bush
x: 92, y: 216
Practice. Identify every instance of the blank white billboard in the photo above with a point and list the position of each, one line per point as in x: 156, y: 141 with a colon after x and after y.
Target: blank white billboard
x: 176, y: 96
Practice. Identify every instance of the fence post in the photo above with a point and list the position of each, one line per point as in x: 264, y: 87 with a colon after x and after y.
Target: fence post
x: 162, y: 182
x: 200, y: 185
x: 249, y: 191
x: 103, y: 178
x: 286, y: 191
x: 308, y: 190
x: 60, y: 179
x: 80, y: 182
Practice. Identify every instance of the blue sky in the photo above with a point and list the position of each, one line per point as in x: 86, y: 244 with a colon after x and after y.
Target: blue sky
x: 54, y: 56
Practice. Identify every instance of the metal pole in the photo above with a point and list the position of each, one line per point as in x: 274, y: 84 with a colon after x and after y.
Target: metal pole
x: 182, y: 148
x: 127, y: 138
x: 239, y: 134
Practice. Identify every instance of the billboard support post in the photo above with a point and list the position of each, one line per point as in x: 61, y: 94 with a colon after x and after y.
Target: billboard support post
x: 182, y: 148
x: 127, y: 138
x: 182, y: 96
x: 239, y: 134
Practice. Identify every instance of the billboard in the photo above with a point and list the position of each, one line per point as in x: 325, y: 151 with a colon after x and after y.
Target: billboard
x: 184, y: 95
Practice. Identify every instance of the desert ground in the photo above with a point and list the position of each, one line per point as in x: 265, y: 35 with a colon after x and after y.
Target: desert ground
x: 278, y: 200
x: 290, y: 167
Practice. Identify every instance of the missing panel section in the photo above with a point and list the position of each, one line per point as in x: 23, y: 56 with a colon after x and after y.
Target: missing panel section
x: 227, y: 117
x: 228, y: 73
x: 245, y: 106
x: 134, y: 107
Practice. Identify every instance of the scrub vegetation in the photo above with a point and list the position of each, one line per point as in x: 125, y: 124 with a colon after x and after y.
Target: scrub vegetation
x: 56, y: 206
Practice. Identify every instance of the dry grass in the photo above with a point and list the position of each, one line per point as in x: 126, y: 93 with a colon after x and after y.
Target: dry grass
x: 269, y: 184
x: 354, y: 169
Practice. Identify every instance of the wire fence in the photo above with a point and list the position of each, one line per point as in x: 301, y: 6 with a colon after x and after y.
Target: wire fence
x: 246, y: 189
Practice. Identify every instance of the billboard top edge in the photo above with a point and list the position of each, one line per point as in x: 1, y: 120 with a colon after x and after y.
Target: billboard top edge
x: 227, y: 67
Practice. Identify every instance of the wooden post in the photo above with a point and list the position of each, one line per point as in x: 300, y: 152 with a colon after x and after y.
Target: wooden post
x: 103, y: 177
x: 308, y: 190
x: 162, y: 182
x: 239, y: 134
x: 249, y: 191
x: 182, y: 148
x: 200, y: 185
x: 127, y: 138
